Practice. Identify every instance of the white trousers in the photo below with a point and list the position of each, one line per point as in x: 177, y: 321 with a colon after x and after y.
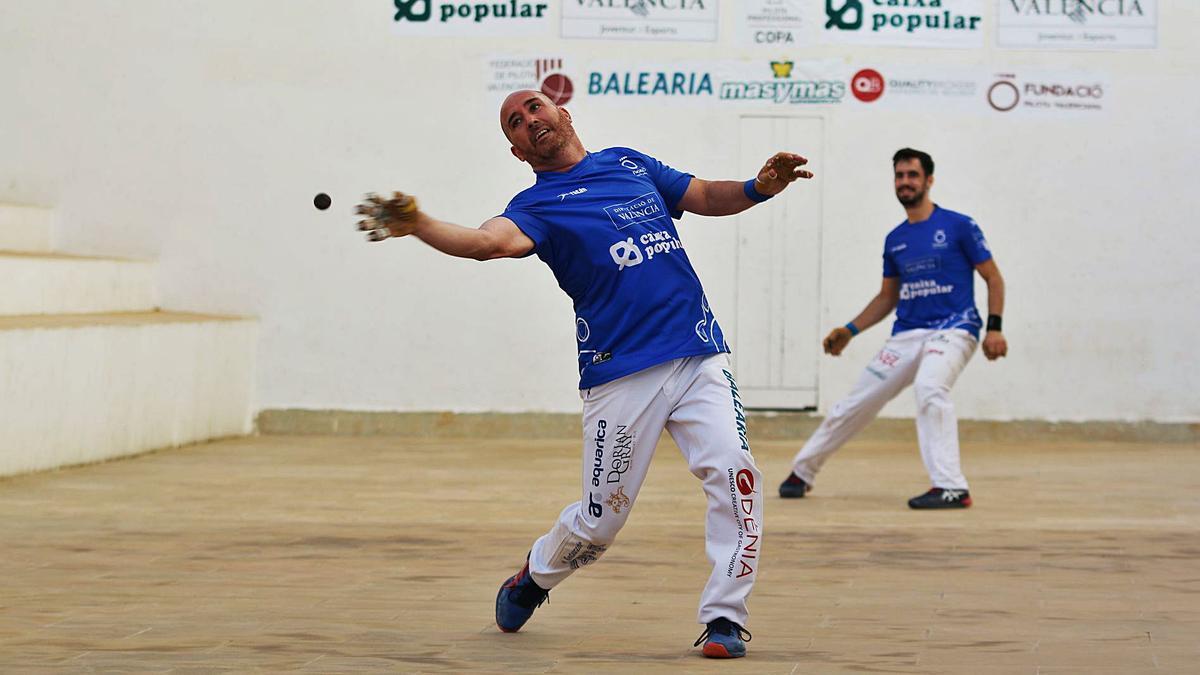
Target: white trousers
x: 696, y: 400
x: 931, y: 361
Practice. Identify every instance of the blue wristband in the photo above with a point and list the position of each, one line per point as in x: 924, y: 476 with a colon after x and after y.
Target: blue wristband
x: 752, y: 194
x: 852, y: 328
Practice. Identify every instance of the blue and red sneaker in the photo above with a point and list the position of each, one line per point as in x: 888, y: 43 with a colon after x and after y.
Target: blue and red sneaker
x: 517, y: 599
x: 723, y: 639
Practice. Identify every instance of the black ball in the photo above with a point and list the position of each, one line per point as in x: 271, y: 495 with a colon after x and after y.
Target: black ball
x: 322, y: 201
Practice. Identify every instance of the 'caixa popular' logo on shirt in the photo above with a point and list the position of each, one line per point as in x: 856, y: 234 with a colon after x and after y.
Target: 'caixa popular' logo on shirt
x: 643, y: 209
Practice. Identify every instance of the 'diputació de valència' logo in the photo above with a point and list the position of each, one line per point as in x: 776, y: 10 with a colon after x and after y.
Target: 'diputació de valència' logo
x: 1075, y: 11
x: 420, y: 11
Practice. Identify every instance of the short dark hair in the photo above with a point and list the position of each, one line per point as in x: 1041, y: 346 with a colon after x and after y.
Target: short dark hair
x: 908, y: 153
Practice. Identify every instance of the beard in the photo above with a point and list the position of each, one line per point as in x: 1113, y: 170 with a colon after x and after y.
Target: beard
x: 910, y: 199
x: 552, y: 147
x: 560, y: 136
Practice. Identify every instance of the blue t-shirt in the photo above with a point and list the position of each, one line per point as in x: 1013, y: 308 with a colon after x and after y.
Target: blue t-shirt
x: 605, y: 229
x: 935, y: 260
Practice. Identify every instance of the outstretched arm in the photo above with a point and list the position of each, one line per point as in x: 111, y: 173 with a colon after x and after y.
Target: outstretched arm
x: 497, y: 237
x: 400, y: 216
x: 876, y: 310
x: 727, y: 197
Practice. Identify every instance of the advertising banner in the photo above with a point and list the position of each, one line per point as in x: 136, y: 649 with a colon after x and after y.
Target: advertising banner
x: 760, y: 84
x: 784, y: 84
x: 773, y: 23
x: 904, y: 23
x: 547, y: 74
x: 1077, y: 24
x: 1048, y: 93
x: 663, y: 20
x: 918, y: 87
x: 498, y: 18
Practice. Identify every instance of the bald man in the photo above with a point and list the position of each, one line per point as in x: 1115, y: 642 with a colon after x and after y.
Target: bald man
x: 651, y: 354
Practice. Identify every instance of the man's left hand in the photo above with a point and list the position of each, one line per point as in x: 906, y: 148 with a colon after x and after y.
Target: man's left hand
x: 994, y: 345
x: 779, y: 172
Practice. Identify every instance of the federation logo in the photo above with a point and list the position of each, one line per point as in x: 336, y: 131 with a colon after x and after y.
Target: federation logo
x: 554, y: 84
x: 867, y: 85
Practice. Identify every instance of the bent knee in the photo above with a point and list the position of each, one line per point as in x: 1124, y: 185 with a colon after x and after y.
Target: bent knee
x: 602, y: 522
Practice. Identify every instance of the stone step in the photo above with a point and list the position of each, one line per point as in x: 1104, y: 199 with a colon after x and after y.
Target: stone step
x: 50, y: 283
x: 89, y: 387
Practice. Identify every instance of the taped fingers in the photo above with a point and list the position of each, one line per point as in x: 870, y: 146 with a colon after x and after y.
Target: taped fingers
x: 395, y: 217
x: 785, y: 166
x: 788, y: 166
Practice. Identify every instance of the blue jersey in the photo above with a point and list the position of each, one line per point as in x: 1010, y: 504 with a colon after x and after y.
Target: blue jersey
x: 935, y: 260
x: 605, y: 229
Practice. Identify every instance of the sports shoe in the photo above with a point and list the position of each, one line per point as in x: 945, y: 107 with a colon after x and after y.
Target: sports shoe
x: 517, y: 599
x: 941, y: 498
x: 793, y: 488
x: 723, y: 639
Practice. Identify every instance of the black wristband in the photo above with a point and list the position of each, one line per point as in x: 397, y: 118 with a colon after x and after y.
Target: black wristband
x: 994, y: 322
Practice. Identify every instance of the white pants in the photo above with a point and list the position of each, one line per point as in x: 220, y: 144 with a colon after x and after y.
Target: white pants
x: 930, y: 360
x: 696, y: 400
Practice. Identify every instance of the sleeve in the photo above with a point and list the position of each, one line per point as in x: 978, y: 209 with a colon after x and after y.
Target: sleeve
x: 671, y: 182
x: 974, y: 245
x: 889, y: 264
x: 531, y: 225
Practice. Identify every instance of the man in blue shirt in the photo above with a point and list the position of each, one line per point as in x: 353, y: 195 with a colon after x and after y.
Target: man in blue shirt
x: 929, y: 265
x: 651, y: 354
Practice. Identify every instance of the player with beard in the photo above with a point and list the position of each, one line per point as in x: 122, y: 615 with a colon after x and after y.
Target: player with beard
x: 651, y: 354
x: 929, y: 265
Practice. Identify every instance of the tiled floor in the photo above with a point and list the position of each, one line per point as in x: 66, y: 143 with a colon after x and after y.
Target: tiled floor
x: 384, y: 554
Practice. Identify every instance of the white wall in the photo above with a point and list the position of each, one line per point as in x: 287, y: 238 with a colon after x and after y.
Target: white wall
x: 197, y: 132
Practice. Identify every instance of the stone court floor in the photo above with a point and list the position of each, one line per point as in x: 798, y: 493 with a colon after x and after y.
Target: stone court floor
x: 383, y: 554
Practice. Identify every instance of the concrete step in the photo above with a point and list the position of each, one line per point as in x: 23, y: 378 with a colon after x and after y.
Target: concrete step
x: 89, y: 387
x: 26, y: 228
x: 49, y: 283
